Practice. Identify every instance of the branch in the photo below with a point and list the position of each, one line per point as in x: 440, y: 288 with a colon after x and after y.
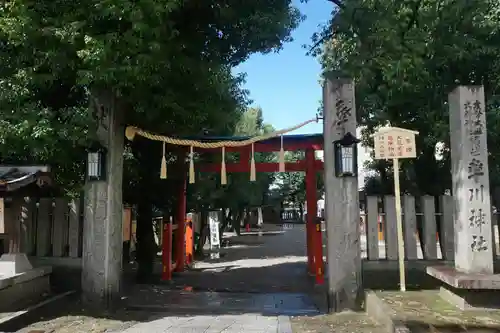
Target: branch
x: 334, y: 23
x: 321, y: 41
x: 337, y: 3
x: 412, y: 21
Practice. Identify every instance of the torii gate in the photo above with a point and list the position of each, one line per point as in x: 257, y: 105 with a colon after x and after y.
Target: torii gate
x: 341, y: 197
x: 246, y: 147
x: 311, y: 166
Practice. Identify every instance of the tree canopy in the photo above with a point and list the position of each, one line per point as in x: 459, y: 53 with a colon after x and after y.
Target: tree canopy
x: 168, y: 62
x: 406, y: 57
x: 165, y: 64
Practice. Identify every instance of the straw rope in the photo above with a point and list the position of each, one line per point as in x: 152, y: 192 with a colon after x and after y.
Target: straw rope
x: 132, y: 131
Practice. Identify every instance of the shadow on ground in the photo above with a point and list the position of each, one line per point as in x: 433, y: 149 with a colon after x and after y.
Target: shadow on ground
x: 266, y: 290
x: 267, y: 278
x: 253, y: 278
x: 416, y: 279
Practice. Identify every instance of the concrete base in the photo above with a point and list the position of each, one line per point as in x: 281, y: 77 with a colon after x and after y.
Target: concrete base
x: 466, y: 299
x: 14, y: 263
x: 24, y: 287
x: 468, y: 291
x: 376, y: 308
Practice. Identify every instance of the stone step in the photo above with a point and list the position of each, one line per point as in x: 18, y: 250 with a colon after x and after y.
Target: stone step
x: 160, y: 299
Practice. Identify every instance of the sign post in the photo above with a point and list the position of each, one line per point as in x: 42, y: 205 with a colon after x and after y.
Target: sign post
x: 396, y: 143
x: 213, y: 224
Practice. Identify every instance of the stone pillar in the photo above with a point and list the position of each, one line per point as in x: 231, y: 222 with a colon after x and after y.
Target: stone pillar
x: 103, y: 213
x: 470, y: 181
x: 341, y: 200
x: 471, y: 284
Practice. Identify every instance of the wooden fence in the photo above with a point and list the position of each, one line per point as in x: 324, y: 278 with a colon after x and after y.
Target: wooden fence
x: 49, y: 226
x: 428, y: 228
x: 53, y: 228
x: 43, y: 226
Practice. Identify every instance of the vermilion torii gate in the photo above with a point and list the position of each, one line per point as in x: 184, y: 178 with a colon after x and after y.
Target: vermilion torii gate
x: 282, y: 143
x: 311, y: 166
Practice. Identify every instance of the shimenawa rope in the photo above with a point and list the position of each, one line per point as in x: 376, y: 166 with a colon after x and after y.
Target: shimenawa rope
x: 131, y: 132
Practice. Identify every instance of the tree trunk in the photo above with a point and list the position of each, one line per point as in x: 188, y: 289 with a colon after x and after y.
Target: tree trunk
x: 223, y: 224
x: 203, y: 235
x: 146, y: 245
x: 237, y: 221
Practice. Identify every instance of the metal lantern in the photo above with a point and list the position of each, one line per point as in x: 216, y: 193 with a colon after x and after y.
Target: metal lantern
x: 346, y: 156
x: 96, y: 163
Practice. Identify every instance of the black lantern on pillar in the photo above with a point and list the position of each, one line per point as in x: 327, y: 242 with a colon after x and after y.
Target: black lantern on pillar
x: 96, y: 163
x: 346, y: 156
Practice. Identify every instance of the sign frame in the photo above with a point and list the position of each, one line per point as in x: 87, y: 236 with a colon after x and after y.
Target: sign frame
x: 405, y: 147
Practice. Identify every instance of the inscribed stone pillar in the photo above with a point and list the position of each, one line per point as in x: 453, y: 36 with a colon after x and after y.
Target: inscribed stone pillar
x: 341, y: 200
x: 470, y: 181
x: 103, y: 213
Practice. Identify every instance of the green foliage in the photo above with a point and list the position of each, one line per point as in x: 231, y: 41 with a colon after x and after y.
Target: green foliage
x: 168, y: 63
x: 165, y: 64
x: 406, y: 57
x: 240, y: 192
x: 291, y: 186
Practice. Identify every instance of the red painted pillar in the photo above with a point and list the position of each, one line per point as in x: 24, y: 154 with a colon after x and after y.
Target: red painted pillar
x: 310, y: 256
x: 180, y: 248
x: 318, y: 253
x: 312, y: 218
x: 311, y: 209
x: 166, y: 253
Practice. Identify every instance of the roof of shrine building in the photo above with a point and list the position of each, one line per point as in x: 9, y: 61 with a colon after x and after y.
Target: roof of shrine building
x: 13, y: 178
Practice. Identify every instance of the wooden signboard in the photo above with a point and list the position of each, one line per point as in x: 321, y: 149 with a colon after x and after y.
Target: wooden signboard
x: 395, y: 143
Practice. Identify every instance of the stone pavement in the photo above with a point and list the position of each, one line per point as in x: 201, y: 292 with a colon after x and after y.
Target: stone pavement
x: 273, y: 262
x: 250, y: 323
x: 255, y: 285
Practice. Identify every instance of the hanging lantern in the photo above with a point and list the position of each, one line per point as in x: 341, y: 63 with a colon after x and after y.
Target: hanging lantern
x: 346, y: 156
x: 96, y: 163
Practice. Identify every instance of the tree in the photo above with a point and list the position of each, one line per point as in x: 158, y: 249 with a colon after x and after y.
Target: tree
x: 240, y: 193
x: 56, y: 54
x: 292, y: 185
x: 406, y: 57
x: 166, y: 64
